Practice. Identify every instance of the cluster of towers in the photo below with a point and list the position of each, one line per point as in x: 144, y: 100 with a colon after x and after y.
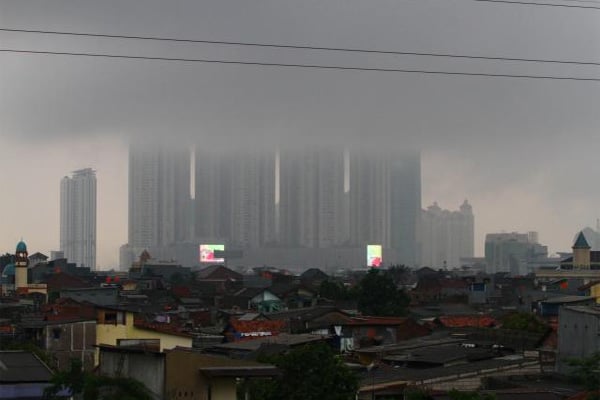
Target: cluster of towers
x: 312, y: 198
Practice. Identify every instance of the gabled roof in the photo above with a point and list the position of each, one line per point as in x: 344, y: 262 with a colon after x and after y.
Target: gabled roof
x: 22, y: 367
x: 581, y: 242
x: 218, y: 272
x: 313, y: 273
x: 38, y: 255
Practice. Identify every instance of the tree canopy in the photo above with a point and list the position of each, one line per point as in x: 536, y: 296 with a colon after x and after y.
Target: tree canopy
x: 526, y: 322
x: 586, y: 371
x: 379, y: 296
x: 311, y: 372
x: 377, y: 293
x: 86, y: 386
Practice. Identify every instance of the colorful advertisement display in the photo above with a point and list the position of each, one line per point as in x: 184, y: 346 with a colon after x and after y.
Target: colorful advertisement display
x: 207, y: 253
x: 374, y: 258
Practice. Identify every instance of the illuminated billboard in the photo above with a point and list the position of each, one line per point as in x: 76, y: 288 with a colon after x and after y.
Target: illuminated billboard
x: 374, y: 258
x: 207, y: 253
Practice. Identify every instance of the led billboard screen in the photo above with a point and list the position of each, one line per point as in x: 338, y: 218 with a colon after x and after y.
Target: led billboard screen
x: 374, y: 258
x: 207, y: 253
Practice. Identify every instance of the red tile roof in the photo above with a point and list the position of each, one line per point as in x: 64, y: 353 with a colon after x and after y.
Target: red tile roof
x: 468, y: 321
x: 368, y: 320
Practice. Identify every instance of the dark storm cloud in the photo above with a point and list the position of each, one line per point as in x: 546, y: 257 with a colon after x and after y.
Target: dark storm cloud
x: 507, y: 126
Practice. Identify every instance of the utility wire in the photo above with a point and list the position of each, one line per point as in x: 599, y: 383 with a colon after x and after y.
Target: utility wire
x: 307, y: 66
x: 305, y: 47
x: 539, y: 4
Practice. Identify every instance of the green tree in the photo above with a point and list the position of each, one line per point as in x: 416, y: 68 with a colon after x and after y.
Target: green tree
x: 86, y: 386
x: 586, y: 371
x: 379, y: 296
x: 334, y: 290
x: 311, y: 372
x: 526, y: 322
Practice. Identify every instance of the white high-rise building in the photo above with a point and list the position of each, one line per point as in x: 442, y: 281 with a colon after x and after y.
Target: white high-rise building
x: 312, y: 209
x: 235, y: 197
x: 78, y: 217
x: 447, y: 236
x: 159, y: 198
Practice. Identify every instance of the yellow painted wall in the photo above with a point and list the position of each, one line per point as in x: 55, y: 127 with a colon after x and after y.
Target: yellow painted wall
x: 110, y: 333
x: 595, y: 292
x: 184, y: 381
x: 224, y: 389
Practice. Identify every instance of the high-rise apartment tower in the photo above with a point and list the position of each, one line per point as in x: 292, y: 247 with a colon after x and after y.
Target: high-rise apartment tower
x: 78, y: 217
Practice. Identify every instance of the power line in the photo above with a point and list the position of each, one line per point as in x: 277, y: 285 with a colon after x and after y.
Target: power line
x: 539, y: 4
x: 305, y: 47
x: 307, y: 66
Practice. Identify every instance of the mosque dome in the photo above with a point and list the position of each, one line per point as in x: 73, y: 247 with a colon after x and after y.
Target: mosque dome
x: 8, y: 270
x: 21, y: 247
x: 8, y: 275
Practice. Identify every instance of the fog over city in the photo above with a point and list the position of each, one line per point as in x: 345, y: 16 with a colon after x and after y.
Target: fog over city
x: 523, y: 151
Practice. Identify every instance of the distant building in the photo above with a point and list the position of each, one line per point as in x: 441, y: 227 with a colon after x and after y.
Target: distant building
x: 78, y: 217
x: 159, y: 198
x: 517, y: 253
x: 447, y: 236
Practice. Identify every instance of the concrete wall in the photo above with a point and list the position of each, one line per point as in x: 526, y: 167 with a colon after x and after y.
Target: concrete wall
x: 148, y: 368
x: 578, y: 335
x: 184, y: 381
x: 71, y: 340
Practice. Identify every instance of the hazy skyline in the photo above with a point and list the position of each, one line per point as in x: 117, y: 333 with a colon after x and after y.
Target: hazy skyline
x: 522, y: 151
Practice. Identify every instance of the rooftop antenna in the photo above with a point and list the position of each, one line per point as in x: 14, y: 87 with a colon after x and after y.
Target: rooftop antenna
x: 597, y: 224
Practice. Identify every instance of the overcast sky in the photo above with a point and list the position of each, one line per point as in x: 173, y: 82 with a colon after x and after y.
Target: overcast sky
x: 524, y: 152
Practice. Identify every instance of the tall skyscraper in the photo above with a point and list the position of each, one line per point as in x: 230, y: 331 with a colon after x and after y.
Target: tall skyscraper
x: 159, y: 197
x: 370, y: 198
x: 78, y: 217
x: 405, y: 208
x: 447, y: 236
x: 235, y: 197
x: 302, y: 205
x: 312, y: 208
x: 385, y: 200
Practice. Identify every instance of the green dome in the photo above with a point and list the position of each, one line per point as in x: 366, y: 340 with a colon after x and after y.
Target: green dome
x: 21, y: 247
x: 9, y: 270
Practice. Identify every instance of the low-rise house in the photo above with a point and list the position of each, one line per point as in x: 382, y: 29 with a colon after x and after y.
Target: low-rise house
x: 311, y: 320
x: 261, y: 300
x: 267, y: 344
x: 313, y: 277
x: 550, y: 307
x: 24, y: 376
x: 66, y: 330
x: 237, y: 330
x: 591, y: 289
x: 367, y: 331
x: 194, y: 375
x: 116, y: 324
x: 102, y: 296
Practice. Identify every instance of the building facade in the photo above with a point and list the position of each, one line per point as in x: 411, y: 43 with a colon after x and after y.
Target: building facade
x: 447, y: 236
x: 159, y: 198
x: 513, y: 252
x: 78, y: 217
x: 319, y: 201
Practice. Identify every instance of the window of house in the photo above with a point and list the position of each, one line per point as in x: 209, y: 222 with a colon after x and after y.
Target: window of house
x: 56, y: 333
x: 110, y: 318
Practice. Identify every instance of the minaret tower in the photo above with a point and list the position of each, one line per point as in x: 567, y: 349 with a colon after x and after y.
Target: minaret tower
x: 21, y: 263
x: 581, y: 253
